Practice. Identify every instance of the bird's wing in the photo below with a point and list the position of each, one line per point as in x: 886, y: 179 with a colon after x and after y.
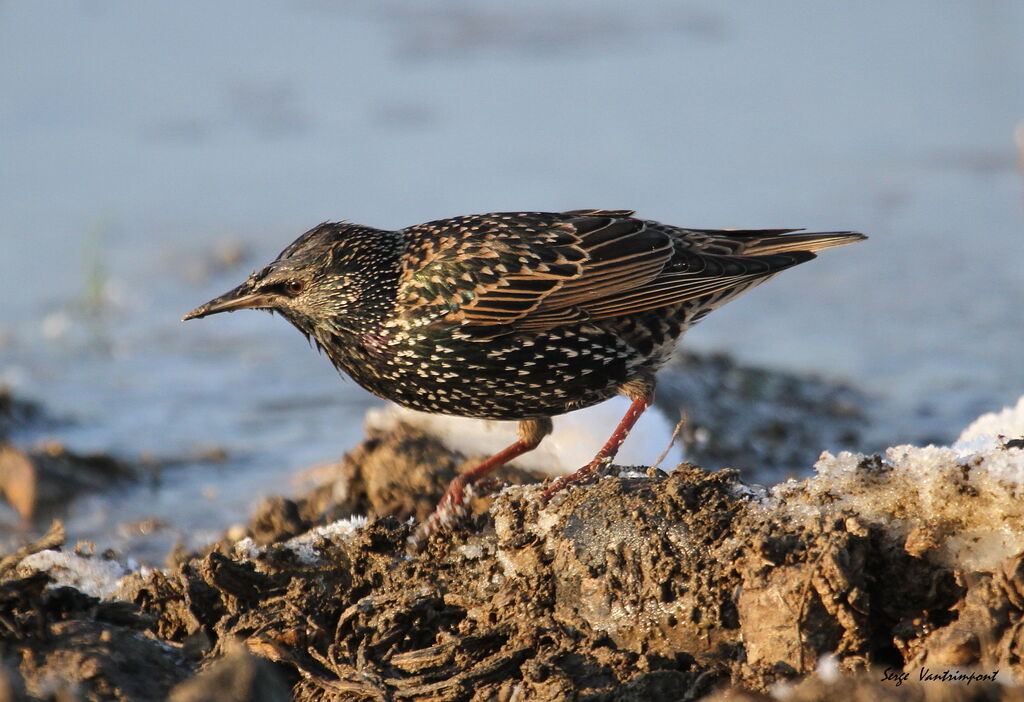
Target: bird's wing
x: 507, y: 271
x: 698, y: 276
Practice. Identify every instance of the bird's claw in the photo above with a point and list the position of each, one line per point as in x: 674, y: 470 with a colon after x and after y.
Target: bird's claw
x: 453, y: 507
x: 596, y: 468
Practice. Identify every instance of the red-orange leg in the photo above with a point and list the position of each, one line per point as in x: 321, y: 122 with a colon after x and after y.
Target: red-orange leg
x: 452, y: 505
x: 607, y: 452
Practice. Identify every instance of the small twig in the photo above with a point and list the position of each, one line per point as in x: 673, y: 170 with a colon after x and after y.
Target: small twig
x: 51, y: 539
x: 672, y: 439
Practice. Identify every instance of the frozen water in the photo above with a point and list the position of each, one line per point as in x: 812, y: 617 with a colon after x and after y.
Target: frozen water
x: 99, y: 577
x: 968, y: 503
x: 992, y: 429
x: 304, y: 546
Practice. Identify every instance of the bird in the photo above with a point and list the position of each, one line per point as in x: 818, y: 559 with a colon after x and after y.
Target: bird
x: 517, y: 316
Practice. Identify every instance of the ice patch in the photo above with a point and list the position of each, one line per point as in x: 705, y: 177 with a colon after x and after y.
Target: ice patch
x: 304, y: 546
x: 98, y: 577
x: 574, y: 442
x: 989, y: 430
x: 473, y: 550
x: 963, y: 507
x: 248, y: 549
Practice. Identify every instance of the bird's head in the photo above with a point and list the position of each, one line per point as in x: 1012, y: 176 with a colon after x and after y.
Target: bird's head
x: 334, y: 278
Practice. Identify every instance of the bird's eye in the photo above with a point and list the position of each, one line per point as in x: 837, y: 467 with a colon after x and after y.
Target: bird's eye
x: 294, y: 287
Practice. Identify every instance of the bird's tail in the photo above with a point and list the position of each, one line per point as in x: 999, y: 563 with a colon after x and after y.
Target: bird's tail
x: 761, y: 244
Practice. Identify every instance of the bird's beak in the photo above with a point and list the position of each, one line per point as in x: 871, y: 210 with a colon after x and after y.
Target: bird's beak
x: 241, y: 298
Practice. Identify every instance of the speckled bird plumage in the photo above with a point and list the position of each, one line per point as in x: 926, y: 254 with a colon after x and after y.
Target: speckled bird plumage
x: 515, y: 315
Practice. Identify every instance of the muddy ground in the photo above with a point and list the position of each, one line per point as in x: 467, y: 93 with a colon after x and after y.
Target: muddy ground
x: 642, y: 587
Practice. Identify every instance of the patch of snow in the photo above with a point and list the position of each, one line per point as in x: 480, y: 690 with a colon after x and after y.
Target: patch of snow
x: 576, y: 439
x: 970, y: 500
x: 989, y: 430
x: 248, y: 549
x: 472, y: 550
x: 547, y: 520
x: 98, y: 577
x: 304, y: 546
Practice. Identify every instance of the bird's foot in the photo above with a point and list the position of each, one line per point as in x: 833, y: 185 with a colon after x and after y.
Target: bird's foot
x: 453, y: 507
x: 595, y: 468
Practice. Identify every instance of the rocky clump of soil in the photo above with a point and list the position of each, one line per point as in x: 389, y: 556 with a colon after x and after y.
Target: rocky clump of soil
x: 638, y: 587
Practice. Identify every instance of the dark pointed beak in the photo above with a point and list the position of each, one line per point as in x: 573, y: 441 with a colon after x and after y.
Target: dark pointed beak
x: 241, y: 298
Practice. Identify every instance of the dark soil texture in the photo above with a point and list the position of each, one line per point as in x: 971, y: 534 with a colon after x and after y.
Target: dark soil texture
x: 674, y: 587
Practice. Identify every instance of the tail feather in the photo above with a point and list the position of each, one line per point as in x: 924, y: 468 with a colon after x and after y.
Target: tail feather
x: 812, y: 241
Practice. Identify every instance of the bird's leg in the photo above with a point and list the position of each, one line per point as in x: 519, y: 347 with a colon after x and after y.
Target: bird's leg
x: 452, y: 504
x: 641, y: 392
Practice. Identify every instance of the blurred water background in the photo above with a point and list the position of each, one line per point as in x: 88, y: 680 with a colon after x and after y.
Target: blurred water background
x: 152, y: 154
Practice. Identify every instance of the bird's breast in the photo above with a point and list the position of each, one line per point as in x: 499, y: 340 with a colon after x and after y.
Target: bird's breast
x: 374, y: 344
x: 515, y: 376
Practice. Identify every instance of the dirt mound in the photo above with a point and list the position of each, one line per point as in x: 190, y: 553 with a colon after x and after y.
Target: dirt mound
x: 637, y: 587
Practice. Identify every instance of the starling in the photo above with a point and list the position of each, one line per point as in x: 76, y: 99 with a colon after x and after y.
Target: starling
x: 514, y: 315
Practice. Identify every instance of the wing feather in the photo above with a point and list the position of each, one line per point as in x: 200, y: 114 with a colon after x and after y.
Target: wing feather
x: 505, y: 272
x: 703, y: 276
x: 530, y: 268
